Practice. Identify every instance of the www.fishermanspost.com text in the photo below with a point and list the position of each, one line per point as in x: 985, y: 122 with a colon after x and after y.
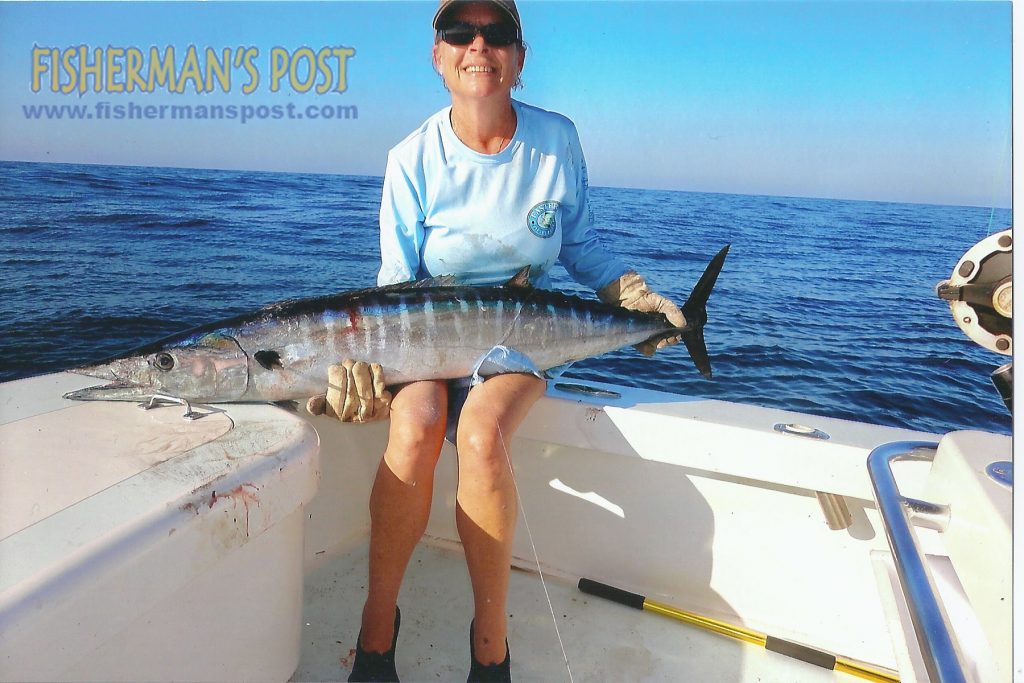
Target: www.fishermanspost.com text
x: 239, y: 113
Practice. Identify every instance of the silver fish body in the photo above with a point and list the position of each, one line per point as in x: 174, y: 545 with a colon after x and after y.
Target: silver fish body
x: 416, y: 331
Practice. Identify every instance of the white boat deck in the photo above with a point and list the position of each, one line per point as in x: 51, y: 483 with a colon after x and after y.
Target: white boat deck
x: 604, y: 641
x: 131, y: 523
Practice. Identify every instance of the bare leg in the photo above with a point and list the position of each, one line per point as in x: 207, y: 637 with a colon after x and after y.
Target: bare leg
x: 400, y: 502
x: 486, y: 503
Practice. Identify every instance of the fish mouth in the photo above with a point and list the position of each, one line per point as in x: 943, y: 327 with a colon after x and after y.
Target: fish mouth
x: 118, y: 390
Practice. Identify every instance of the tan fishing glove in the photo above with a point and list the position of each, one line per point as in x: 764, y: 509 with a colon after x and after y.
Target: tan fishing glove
x: 631, y: 291
x: 355, y: 393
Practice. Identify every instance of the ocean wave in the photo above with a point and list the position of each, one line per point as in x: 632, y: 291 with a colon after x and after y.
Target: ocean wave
x: 176, y: 223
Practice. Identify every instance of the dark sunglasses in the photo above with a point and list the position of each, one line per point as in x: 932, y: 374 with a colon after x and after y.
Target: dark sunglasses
x: 496, y: 35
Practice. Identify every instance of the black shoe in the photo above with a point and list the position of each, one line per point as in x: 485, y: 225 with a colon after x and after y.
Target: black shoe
x: 376, y: 666
x: 481, y: 673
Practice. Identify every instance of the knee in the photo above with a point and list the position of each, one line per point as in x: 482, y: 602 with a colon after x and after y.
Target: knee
x: 417, y: 441
x: 482, y: 455
x: 416, y: 444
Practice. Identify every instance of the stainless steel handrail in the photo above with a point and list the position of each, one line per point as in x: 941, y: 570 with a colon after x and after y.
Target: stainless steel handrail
x: 942, y: 657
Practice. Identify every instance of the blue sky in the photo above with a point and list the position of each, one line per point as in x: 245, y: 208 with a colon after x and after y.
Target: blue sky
x: 899, y: 101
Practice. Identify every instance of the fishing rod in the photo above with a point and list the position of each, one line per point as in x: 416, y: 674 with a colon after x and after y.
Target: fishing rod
x: 804, y: 653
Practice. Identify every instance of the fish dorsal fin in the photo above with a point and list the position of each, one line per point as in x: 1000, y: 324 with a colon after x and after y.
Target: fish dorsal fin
x: 291, y: 306
x: 439, y: 281
x: 520, y: 279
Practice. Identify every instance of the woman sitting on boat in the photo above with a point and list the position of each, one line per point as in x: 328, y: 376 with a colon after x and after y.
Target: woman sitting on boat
x: 479, y: 190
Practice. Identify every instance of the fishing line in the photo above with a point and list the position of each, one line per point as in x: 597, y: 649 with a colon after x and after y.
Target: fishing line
x: 533, y: 546
x: 1008, y: 158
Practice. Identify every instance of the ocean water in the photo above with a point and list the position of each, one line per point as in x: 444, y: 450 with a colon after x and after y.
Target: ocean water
x: 824, y: 306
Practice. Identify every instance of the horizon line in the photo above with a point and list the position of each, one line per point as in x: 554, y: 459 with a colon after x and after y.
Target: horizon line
x: 611, y: 187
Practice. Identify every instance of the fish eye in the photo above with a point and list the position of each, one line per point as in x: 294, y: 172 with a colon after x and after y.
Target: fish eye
x: 164, y: 361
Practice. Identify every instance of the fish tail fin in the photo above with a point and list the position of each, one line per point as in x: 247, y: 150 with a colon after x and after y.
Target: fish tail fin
x: 696, y: 313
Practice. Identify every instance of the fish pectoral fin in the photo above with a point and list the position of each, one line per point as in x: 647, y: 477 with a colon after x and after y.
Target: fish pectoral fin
x: 268, y: 359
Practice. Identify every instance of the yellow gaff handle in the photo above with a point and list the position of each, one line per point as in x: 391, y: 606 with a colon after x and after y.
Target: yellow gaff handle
x: 804, y: 653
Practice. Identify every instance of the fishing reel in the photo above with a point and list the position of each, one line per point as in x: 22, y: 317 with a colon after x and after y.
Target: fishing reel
x: 980, y: 296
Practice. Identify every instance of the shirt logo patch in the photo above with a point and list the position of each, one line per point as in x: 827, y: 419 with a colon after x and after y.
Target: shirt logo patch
x: 543, y: 218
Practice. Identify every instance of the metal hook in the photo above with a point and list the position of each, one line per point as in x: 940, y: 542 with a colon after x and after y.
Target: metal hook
x: 155, y: 398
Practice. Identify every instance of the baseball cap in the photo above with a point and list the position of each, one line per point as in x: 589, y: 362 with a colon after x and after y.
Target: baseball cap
x: 507, y: 6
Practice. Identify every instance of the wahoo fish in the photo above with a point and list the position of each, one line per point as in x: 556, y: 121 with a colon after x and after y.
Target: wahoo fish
x: 427, y: 329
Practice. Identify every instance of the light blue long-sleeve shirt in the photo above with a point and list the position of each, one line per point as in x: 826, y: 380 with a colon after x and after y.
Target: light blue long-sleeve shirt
x: 449, y: 210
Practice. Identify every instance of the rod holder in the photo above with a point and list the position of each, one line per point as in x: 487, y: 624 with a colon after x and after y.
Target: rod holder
x: 837, y: 512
